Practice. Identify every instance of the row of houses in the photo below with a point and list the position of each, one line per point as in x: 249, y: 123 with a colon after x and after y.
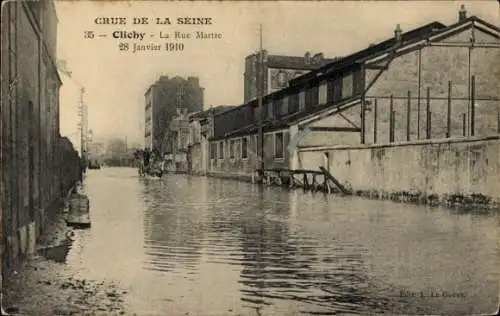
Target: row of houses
x: 433, y: 82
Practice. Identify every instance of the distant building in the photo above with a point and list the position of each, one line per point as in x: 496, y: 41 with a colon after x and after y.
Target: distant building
x: 96, y: 150
x: 163, y: 98
x: 278, y: 70
x: 175, y: 142
x: 200, y: 130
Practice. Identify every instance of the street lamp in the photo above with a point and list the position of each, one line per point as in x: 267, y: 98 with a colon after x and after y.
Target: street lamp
x: 82, y: 108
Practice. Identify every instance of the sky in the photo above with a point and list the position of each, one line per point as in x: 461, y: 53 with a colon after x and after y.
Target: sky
x: 115, y: 81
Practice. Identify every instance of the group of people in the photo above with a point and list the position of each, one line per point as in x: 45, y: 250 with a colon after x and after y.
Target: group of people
x: 151, y: 162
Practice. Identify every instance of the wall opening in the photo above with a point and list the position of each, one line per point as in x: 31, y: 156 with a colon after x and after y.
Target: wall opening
x: 326, y: 161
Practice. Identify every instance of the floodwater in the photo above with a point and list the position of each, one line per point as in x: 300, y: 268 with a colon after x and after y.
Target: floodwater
x: 187, y: 245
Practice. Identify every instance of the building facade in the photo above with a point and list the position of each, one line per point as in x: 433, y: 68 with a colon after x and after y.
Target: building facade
x: 433, y: 82
x: 201, y: 129
x: 278, y: 71
x: 176, y: 142
x: 32, y: 178
x: 162, y: 99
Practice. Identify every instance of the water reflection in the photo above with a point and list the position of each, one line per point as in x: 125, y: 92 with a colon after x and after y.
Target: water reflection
x: 171, y: 227
x: 218, y: 247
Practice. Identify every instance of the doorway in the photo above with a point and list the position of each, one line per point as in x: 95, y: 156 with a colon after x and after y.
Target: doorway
x: 326, y: 161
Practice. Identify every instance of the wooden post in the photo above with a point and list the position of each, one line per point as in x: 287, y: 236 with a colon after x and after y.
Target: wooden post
x: 428, y: 114
x: 498, y: 123
x: 391, y: 120
x: 363, y: 106
x: 464, y: 124
x: 375, y: 111
x: 448, y: 120
x: 472, y: 105
x: 260, y: 93
x: 393, y: 125
x: 430, y: 125
x: 408, y: 117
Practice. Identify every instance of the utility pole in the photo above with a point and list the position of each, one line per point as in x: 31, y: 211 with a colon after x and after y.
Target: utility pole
x: 83, y: 123
x: 260, y: 92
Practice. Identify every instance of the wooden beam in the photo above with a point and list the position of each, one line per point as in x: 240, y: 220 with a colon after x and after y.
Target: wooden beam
x: 381, y: 67
x: 331, y: 129
x: 348, y: 120
x: 337, y: 183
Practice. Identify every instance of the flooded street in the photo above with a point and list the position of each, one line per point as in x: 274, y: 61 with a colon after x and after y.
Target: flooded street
x: 186, y: 245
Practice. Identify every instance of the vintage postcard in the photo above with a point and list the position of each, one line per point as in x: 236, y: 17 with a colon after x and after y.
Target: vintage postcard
x: 224, y: 158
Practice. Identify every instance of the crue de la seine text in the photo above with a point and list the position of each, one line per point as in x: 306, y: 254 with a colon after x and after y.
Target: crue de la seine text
x: 156, y: 20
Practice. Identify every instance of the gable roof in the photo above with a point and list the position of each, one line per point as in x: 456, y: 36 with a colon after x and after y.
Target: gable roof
x: 373, y: 49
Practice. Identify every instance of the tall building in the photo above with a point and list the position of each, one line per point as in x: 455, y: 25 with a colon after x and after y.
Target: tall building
x: 29, y: 121
x: 278, y: 70
x: 163, y: 98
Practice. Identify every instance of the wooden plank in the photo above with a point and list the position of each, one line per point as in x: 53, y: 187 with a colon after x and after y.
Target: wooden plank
x: 337, y: 183
x: 333, y: 129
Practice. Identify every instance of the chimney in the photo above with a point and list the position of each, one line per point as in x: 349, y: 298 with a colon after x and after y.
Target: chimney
x: 194, y: 81
x: 462, y: 14
x: 397, y: 33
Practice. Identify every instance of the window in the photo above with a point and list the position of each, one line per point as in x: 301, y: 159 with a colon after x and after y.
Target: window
x: 270, y: 109
x: 244, y: 148
x: 337, y: 89
x: 311, y: 96
x: 221, y: 150
x: 322, y: 93
x: 278, y: 146
x: 265, y: 111
x: 330, y: 87
x: 302, y: 100
x: 277, y: 105
x: 293, y: 103
x: 231, y: 149
x: 347, y: 86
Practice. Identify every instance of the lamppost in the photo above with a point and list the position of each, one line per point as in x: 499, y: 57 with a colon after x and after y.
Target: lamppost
x: 82, y: 108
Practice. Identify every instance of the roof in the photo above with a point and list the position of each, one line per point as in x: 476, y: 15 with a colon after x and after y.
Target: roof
x: 410, y: 37
x: 294, y: 62
x: 285, y: 121
x: 351, y: 59
x: 215, y: 110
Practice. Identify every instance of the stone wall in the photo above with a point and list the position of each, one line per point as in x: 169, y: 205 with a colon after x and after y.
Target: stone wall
x: 461, y: 168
